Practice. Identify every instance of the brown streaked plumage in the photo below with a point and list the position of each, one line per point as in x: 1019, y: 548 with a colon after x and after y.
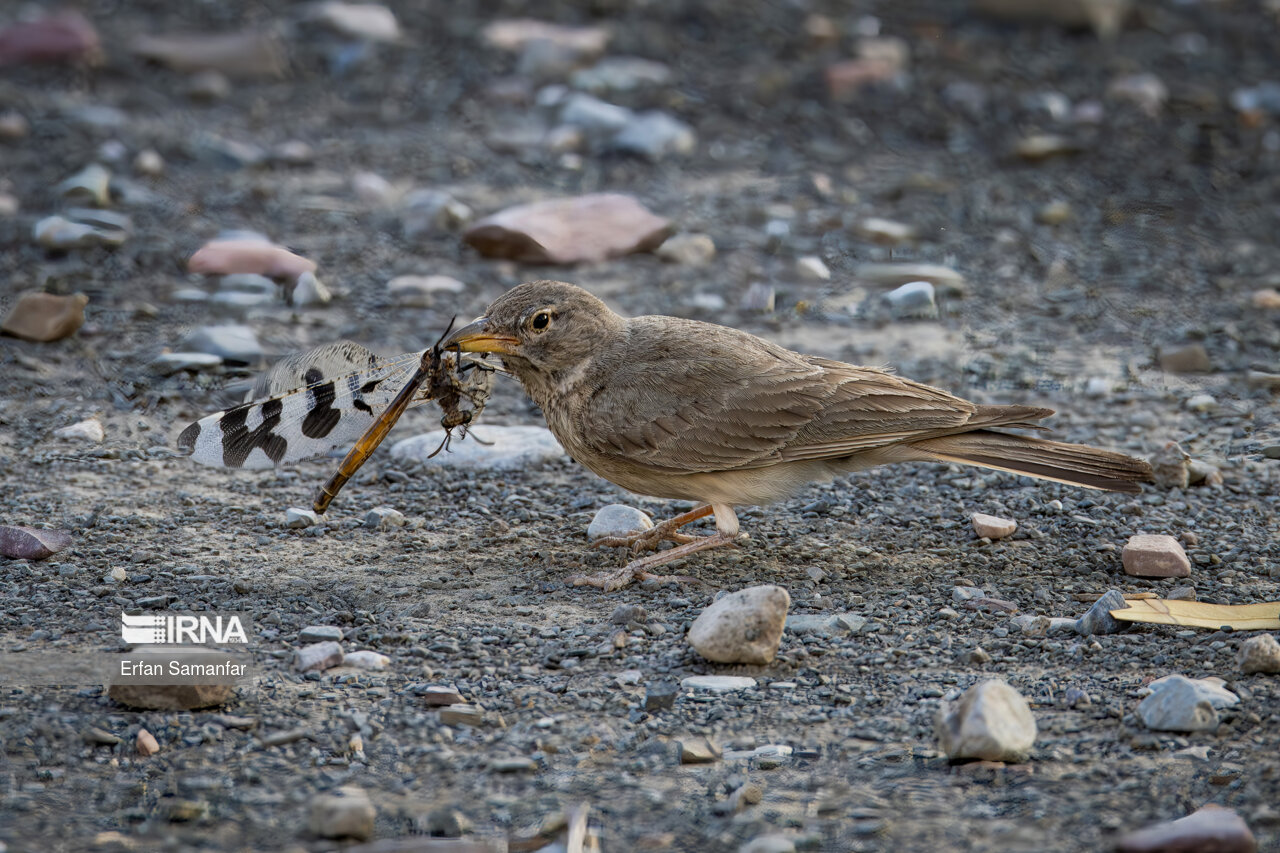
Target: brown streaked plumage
x: 681, y: 409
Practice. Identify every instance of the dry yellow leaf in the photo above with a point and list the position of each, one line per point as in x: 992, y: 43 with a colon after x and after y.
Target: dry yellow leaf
x: 1197, y: 614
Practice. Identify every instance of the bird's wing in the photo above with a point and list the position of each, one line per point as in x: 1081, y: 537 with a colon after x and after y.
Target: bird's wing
x: 691, y: 402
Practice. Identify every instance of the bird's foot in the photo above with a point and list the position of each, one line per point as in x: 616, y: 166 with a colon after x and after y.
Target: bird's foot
x: 665, y: 531
x: 638, y: 570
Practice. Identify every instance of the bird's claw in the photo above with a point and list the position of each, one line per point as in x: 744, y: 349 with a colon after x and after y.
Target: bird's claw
x: 644, y: 540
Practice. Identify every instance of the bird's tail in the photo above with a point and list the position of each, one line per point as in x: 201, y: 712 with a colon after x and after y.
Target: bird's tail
x: 1074, y: 464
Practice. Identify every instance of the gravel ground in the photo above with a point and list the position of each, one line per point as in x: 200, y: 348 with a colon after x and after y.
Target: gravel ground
x: 1170, y: 230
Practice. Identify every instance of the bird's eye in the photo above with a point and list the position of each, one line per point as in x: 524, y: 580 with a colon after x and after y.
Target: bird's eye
x: 541, y: 320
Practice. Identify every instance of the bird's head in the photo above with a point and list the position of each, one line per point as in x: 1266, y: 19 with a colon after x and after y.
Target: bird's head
x: 542, y: 330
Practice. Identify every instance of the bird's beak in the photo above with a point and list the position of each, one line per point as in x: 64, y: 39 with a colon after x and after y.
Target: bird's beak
x: 478, y: 336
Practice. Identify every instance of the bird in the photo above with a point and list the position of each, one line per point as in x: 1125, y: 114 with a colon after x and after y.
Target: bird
x: 683, y: 409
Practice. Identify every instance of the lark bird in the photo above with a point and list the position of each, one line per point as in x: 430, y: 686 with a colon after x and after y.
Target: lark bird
x: 682, y: 409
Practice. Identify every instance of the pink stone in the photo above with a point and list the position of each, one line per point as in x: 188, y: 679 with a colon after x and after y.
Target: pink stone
x: 227, y: 257
x: 65, y: 37
x: 993, y: 527
x: 1155, y: 556
x: 30, y: 543
x: 584, y: 229
x: 1211, y: 829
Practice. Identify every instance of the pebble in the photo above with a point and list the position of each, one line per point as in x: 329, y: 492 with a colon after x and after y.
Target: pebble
x: 146, y: 743
x: 370, y: 21
x: 1145, y: 91
x: 1260, y: 654
x: 514, y: 448
x: 1155, y: 556
x: 593, y: 115
x: 89, y: 430
x: 812, y: 268
x: 171, y: 697
x: 62, y: 234
x: 421, y: 291
x: 699, y: 750
x: 296, y: 518
x: 517, y: 764
x: 366, y: 659
x: 320, y: 634
x: 760, y: 297
x: 309, y: 291
x: 743, y: 626
x: 226, y: 257
x: 372, y: 189
x: 617, y: 520
x: 437, y: 695
x: 344, y: 813
x: 654, y: 135
x: 991, y: 526
x: 692, y: 250
x: 1201, y: 403
x: 383, y: 517
x: 991, y: 722
x: 1266, y: 299
x: 1098, y: 619
x: 1180, y: 704
x: 515, y: 33
x: 581, y: 229
x: 944, y: 279
x: 426, y: 211
x: 913, y: 299
x: 620, y: 74
x: 18, y: 542
x: 884, y: 231
x: 1210, y: 829
x: 13, y: 125
x: 208, y: 86
x: 769, y: 844
x: 234, y: 344
x: 91, y: 185
x: 45, y: 317
x: 1044, y: 146
x: 148, y: 162
x: 661, y: 695
x: 1193, y: 358
x: 461, y: 715
x: 317, y: 656
x: 718, y: 683
x: 825, y: 626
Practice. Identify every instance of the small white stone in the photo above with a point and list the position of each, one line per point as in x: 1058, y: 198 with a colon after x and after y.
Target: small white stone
x: 366, y: 659
x: 373, y: 189
x: 148, y: 163
x: 616, y: 520
x: 295, y: 518
x: 1202, y: 403
x: 89, y: 430
x: 913, y: 299
x: 991, y: 722
x: 384, y: 516
x: 811, y: 268
x: 692, y: 250
x: 884, y: 231
x: 1180, y: 704
x: 1260, y: 654
x: 993, y: 527
x: 309, y: 290
x: 421, y: 291
x: 345, y: 813
x: 317, y: 656
x: 118, y: 575
x: 369, y: 21
x: 718, y: 683
x: 1098, y: 386
x: 742, y: 627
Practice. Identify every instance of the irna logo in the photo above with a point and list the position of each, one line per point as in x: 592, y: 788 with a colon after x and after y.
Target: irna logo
x: 184, y: 628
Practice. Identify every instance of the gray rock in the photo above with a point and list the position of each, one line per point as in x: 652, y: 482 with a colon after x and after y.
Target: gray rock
x: 826, y: 626
x: 661, y: 695
x: 1260, y: 654
x: 235, y: 344
x: 620, y: 74
x: 991, y: 722
x: 344, y: 813
x: 320, y: 634
x: 317, y: 656
x: 1098, y: 619
x: 594, y: 115
x: 913, y: 299
x: 617, y: 520
x: 515, y: 448
x: 1179, y: 704
x: 743, y: 626
x: 717, y: 683
x: 654, y: 135
x: 296, y: 518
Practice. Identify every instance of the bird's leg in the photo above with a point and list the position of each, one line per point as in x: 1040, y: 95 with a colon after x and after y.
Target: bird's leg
x: 666, y: 531
x: 638, y: 570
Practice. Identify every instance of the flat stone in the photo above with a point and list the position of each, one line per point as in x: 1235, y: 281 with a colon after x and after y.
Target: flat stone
x: 991, y: 722
x: 513, y: 34
x: 296, y: 518
x: 699, y: 750
x: 617, y: 520
x: 344, y: 813
x: 692, y: 250
x: 583, y: 229
x: 515, y: 448
x: 1260, y: 654
x: 991, y: 526
x: 422, y: 291
x: 45, y: 317
x: 317, y: 656
x: 174, y: 362
x: 824, y: 625
x: 63, y: 233
x: 717, y: 683
x: 366, y: 659
x: 171, y: 697
x: 234, y: 344
x: 884, y: 231
x: 438, y: 696
x: 320, y: 634
x: 1193, y: 358
x: 517, y: 764
x: 1098, y: 618
x: 742, y: 627
x: 369, y: 21
x: 461, y: 715
x: 246, y: 54
x: 1211, y: 829
x: 1155, y: 556
x: 226, y: 257
x: 18, y: 542
x: 89, y: 430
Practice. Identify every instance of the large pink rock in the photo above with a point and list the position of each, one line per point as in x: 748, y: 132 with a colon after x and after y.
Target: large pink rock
x: 1211, y: 829
x: 227, y: 257
x: 30, y: 543
x: 65, y: 37
x: 584, y: 229
x: 1149, y: 555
